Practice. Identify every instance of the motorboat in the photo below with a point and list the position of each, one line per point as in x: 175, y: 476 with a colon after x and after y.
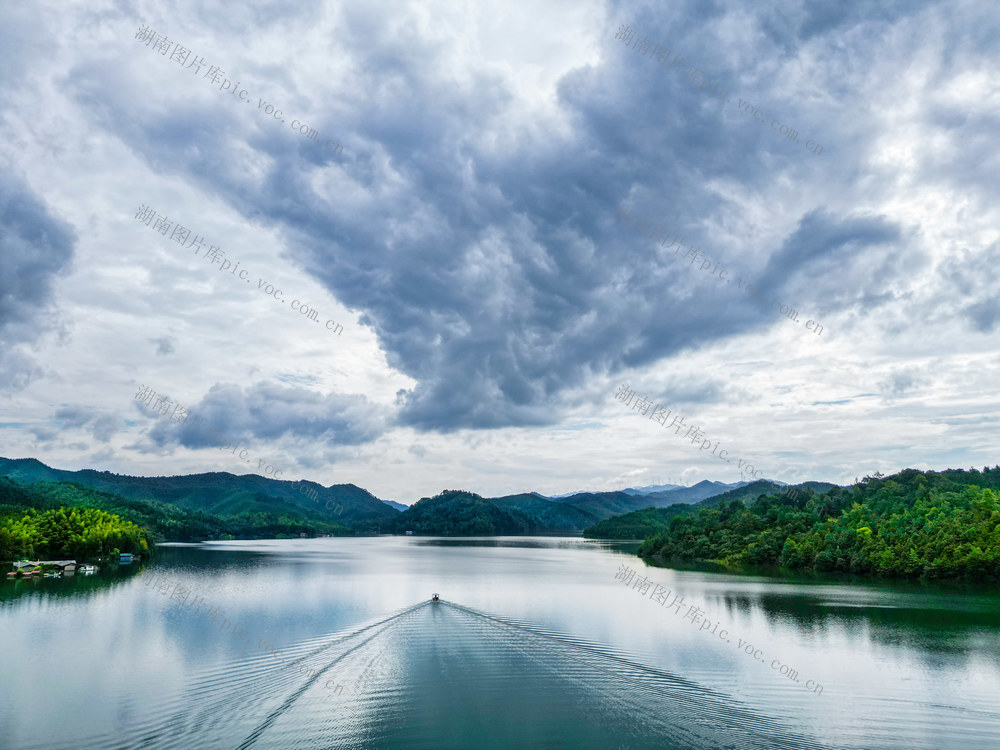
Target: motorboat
x: 88, y: 569
x: 53, y: 574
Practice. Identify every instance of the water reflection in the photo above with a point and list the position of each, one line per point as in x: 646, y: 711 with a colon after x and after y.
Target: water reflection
x: 534, y: 644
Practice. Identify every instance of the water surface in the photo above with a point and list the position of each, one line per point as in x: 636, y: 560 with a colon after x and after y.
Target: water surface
x: 538, y: 642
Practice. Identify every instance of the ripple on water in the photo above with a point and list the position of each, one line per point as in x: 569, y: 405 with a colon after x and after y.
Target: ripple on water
x: 446, y: 676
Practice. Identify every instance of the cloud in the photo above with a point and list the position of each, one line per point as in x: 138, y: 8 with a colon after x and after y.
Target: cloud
x: 102, y: 425
x: 164, y: 345
x: 469, y: 223
x: 35, y: 247
x: 495, y: 277
x: 971, y: 287
x: 269, y: 412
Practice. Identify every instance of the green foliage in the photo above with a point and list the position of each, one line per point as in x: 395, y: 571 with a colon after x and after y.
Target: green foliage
x: 75, y: 533
x: 931, y: 525
x: 644, y: 523
x: 458, y: 513
x: 548, y: 515
x: 221, y: 495
x: 163, y: 521
x: 638, y: 524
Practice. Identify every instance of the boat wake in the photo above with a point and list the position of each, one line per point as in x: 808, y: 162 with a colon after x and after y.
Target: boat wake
x: 443, y: 675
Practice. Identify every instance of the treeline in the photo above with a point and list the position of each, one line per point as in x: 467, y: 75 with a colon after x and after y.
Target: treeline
x: 644, y: 523
x: 224, y: 495
x: 164, y: 521
x: 932, y: 525
x: 461, y: 513
x: 74, y: 533
x: 639, y: 524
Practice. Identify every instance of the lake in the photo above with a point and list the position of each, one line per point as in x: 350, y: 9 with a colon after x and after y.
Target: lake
x: 537, y: 642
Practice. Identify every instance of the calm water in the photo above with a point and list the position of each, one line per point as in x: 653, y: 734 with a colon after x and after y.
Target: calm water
x: 332, y: 643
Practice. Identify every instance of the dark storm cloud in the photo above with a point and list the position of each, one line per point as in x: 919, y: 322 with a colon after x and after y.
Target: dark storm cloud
x: 483, y: 250
x: 835, y: 261
x: 268, y: 412
x: 35, y: 246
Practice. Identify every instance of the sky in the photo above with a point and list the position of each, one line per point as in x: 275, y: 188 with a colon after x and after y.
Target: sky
x: 454, y: 210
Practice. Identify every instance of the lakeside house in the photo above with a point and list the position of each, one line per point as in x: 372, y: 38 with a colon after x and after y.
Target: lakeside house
x: 64, y: 565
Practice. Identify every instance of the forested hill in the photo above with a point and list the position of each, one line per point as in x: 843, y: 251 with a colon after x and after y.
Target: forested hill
x: 223, y: 494
x: 935, y: 525
x: 460, y: 513
x: 164, y: 521
x: 644, y: 523
x: 81, y: 534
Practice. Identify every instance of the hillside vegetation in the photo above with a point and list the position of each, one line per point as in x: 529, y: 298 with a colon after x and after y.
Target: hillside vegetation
x: 164, y: 521
x: 224, y: 495
x: 934, y: 525
x: 644, y: 523
x: 68, y: 533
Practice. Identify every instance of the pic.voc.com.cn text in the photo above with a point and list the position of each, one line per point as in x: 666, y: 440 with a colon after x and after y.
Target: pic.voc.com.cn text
x: 660, y: 414
x: 180, y: 54
x: 697, y: 78
x: 180, y: 234
x: 162, y: 405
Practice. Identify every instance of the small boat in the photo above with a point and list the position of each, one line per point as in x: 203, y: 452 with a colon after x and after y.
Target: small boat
x: 52, y: 574
x: 435, y: 598
x: 87, y: 569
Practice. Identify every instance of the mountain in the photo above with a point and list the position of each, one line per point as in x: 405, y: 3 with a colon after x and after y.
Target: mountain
x: 628, y: 491
x: 606, y: 504
x: 652, y: 488
x: 550, y: 516
x: 689, y: 494
x: 704, y: 489
x: 278, y: 504
x: 645, y: 522
x: 460, y: 513
x: 394, y: 504
x: 914, y: 524
x: 221, y: 493
x: 263, y: 519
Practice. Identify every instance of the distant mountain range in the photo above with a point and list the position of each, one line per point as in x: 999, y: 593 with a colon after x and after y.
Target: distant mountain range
x: 466, y: 513
x: 695, y: 492
x: 650, y: 488
x: 394, y: 504
x: 456, y: 512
